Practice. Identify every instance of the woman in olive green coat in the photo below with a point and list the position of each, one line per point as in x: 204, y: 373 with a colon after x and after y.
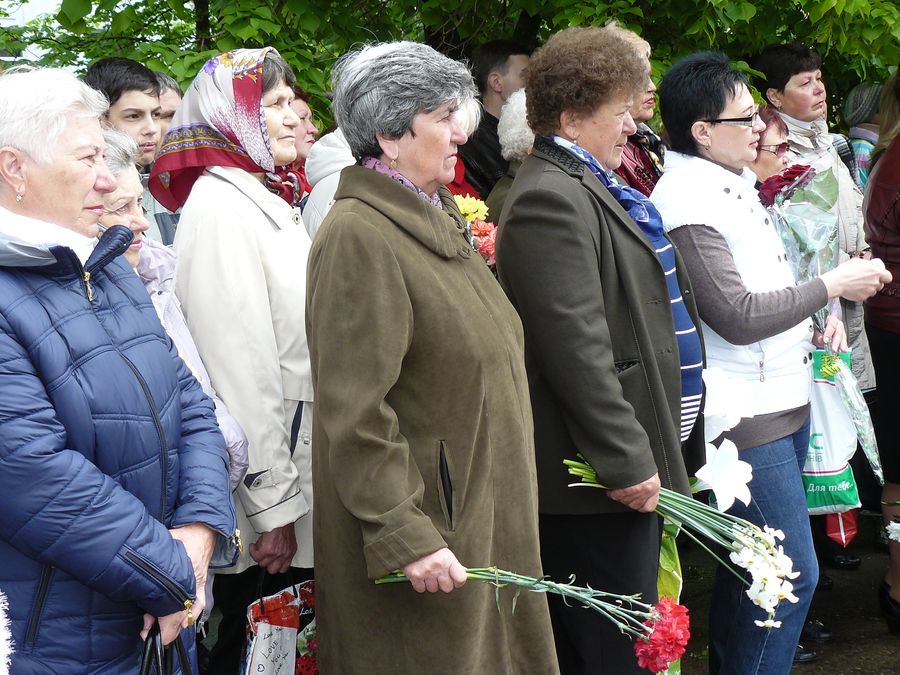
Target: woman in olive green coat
x: 423, y: 454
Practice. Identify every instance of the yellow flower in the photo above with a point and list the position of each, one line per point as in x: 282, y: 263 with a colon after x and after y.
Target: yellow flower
x: 472, y: 209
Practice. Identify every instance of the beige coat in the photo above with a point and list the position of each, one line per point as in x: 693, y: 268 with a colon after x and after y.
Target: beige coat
x: 810, y: 144
x: 422, y: 439
x: 241, y: 280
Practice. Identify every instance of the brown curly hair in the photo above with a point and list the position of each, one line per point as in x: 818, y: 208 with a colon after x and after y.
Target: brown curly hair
x: 579, y: 69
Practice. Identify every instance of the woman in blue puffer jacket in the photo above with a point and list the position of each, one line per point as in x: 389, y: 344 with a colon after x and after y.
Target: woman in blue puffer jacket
x: 114, y: 489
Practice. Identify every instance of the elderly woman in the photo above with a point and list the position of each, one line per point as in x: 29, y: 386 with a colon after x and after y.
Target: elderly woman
x: 155, y: 265
x: 794, y: 85
x: 126, y: 471
x: 756, y: 327
x: 241, y: 277
x: 516, y: 139
x: 601, y: 293
x: 423, y: 440
x: 883, y: 326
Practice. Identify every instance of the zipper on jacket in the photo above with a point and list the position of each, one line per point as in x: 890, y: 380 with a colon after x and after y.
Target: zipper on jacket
x: 163, y: 449
x: 88, y: 291
x: 762, y: 364
x: 43, y: 588
x: 174, y: 589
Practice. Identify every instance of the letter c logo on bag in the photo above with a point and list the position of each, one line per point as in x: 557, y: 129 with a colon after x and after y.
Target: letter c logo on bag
x: 815, y: 441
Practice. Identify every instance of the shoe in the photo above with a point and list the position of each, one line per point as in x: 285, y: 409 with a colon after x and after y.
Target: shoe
x: 890, y: 608
x: 844, y: 561
x: 826, y: 583
x: 804, y: 655
x: 815, y: 631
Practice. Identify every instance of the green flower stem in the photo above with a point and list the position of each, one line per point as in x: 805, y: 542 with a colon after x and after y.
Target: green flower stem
x: 626, y: 611
x: 695, y: 518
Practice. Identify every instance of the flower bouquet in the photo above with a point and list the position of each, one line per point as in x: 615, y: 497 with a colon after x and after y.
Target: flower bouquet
x: 754, y: 549
x: 802, y: 202
x: 482, y: 233
x: 661, y: 632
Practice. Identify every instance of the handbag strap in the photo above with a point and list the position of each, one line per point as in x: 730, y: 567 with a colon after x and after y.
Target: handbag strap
x: 160, y: 660
x: 262, y: 579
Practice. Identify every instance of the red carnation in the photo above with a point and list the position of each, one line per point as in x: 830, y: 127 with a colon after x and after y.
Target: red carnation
x: 306, y: 665
x: 669, y: 638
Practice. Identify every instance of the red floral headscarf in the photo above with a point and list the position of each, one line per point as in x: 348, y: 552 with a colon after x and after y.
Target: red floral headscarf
x: 220, y: 122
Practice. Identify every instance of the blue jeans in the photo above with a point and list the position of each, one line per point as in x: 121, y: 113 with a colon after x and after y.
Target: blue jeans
x: 738, y: 646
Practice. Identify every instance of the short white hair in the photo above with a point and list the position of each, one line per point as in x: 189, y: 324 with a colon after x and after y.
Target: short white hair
x: 36, y: 105
x: 516, y: 137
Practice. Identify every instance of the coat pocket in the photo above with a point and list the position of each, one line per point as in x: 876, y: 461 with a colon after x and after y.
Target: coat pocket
x: 445, y: 487
x: 39, y: 601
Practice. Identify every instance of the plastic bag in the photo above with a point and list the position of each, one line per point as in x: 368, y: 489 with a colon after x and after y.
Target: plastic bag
x: 281, y: 633
x: 827, y: 476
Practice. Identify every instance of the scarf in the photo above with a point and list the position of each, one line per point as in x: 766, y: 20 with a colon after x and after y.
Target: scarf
x: 635, y: 203
x: 220, y: 122
x: 377, y: 165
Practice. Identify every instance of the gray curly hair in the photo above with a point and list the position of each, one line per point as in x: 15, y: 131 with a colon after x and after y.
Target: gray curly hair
x: 516, y: 137
x: 380, y: 88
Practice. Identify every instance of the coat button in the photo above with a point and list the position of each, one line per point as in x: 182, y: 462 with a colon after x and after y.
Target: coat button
x: 727, y: 191
x: 296, y: 217
x: 805, y: 360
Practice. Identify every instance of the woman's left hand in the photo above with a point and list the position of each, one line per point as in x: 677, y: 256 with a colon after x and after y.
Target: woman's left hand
x: 199, y: 542
x: 835, y: 335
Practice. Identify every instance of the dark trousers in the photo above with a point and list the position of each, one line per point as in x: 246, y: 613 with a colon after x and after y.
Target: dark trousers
x: 232, y: 594
x: 616, y: 552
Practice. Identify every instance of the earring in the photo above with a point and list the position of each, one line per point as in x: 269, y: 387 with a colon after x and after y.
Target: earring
x: 19, y: 197
x: 393, y: 164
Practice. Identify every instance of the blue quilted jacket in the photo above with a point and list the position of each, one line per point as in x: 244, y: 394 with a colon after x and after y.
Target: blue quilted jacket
x: 106, y: 441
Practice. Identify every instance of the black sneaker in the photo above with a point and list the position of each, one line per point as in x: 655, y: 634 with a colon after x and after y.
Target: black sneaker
x: 804, y: 655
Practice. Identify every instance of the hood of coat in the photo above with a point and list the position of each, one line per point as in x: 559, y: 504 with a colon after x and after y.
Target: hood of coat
x: 442, y: 231
x: 328, y: 156
x: 156, y: 266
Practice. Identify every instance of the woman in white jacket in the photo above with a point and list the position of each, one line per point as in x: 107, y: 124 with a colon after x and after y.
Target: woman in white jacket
x: 241, y: 280
x: 756, y: 327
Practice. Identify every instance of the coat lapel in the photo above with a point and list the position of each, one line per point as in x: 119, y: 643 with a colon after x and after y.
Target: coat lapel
x: 569, y: 163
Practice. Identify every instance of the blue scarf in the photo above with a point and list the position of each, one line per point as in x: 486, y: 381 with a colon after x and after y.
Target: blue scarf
x: 635, y: 203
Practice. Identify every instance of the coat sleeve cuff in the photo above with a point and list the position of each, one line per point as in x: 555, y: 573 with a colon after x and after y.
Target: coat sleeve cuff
x: 402, y: 546
x: 289, y: 510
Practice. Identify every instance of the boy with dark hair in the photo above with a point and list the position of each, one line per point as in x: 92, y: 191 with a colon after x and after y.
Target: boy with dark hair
x: 497, y: 68
x: 133, y: 91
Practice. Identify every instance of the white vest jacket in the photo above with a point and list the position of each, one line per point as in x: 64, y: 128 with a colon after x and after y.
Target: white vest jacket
x: 695, y: 191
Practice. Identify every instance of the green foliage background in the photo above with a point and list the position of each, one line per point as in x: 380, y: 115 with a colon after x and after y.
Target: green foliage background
x: 858, y: 39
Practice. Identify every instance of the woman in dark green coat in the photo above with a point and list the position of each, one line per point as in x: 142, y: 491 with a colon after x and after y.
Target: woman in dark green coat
x: 423, y: 456
x: 613, y: 356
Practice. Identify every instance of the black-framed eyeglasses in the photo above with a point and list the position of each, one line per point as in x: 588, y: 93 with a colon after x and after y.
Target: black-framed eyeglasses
x: 779, y: 150
x: 739, y: 121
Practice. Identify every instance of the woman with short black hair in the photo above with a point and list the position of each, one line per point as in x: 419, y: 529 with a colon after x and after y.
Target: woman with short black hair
x: 756, y: 328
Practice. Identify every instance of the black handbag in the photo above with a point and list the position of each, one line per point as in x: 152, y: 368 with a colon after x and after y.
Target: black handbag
x: 160, y: 660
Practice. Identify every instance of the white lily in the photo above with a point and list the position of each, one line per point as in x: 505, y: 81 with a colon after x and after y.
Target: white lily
x: 893, y: 530
x: 725, y: 474
x: 727, y: 401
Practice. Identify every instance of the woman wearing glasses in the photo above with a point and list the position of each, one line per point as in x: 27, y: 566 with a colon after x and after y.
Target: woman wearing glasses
x: 772, y: 152
x: 756, y: 327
